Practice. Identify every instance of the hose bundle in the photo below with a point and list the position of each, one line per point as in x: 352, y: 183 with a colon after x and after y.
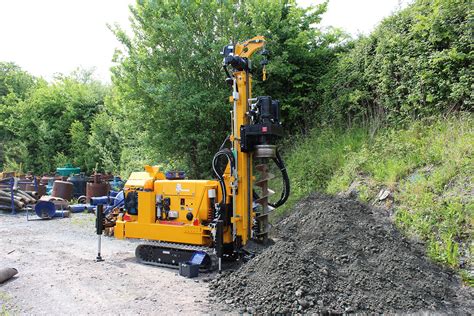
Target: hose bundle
x: 223, y: 152
x: 226, y: 152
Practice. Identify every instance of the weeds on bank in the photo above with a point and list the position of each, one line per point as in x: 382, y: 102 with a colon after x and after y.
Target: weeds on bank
x: 427, y: 166
x: 316, y: 158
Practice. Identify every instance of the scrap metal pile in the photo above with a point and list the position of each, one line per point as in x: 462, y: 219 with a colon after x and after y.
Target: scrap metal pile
x: 67, y: 191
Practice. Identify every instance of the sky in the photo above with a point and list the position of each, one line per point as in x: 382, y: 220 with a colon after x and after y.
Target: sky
x: 57, y: 36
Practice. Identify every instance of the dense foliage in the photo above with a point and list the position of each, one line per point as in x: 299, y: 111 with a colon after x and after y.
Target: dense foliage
x: 168, y: 101
x: 48, y: 124
x: 417, y: 63
x: 15, y: 86
x: 171, y: 85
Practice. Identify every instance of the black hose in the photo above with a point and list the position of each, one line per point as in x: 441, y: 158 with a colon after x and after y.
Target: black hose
x: 226, y: 152
x: 286, y: 181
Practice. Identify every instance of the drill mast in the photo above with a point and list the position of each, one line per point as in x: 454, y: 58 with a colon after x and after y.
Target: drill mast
x: 244, y: 115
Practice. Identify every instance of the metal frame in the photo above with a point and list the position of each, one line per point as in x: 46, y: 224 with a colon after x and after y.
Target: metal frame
x: 10, y: 183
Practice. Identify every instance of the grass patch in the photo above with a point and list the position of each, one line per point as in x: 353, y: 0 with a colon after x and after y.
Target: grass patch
x: 314, y: 160
x: 5, y: 308
x: 83, y: 221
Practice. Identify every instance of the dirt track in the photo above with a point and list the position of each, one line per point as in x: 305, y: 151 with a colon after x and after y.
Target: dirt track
x: 58, y: 275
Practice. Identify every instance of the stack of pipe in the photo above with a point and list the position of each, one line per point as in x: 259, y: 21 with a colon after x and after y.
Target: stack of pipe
x: 20, y: 198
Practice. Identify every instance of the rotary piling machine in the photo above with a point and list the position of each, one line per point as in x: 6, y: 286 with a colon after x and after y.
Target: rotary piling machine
x: 177, y: 217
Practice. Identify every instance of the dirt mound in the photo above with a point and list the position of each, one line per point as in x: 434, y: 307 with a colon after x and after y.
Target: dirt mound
x: 338, y: 256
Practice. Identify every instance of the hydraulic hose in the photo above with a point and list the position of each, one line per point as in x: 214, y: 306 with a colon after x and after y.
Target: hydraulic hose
x: 286, y: 182
x: 223, y: 143
x: 226, y: 152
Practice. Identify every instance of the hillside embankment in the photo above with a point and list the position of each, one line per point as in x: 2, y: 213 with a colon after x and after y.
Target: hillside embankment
x: 421, y: 174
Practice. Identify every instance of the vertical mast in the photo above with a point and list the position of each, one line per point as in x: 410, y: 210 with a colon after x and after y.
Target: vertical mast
x: 242, y: 179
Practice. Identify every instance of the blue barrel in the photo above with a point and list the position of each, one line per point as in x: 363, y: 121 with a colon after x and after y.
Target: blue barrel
x: 45, y: 209
x: 100, y: 200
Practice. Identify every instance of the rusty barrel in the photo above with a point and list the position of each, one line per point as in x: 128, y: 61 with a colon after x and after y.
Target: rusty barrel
x: 62, y: 189
x: 95, y: 189
x: 40, y: 189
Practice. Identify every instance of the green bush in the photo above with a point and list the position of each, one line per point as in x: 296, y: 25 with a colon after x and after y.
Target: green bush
x: 417, y: 63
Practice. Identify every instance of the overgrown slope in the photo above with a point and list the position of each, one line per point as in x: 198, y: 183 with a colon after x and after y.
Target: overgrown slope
x: 389, y: 96
x: 426, y: 169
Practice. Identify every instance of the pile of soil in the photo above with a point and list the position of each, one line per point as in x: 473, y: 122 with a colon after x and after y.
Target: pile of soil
x: 334, y: 255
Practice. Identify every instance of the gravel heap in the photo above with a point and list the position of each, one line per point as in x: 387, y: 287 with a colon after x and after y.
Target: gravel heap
x: 335, y: 255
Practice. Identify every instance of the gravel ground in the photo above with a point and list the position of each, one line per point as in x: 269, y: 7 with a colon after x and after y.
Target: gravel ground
x: 336, y: 255
x: 57, y: 274
x: 330, y: 255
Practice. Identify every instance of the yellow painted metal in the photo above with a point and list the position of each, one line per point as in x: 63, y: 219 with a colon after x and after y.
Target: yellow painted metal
x: 186, y: 196
x: 191, y: 196
x: 185, y: 234
x: 138, y: 180
x: 244, y: 197
x: 248, y: 48
x: 146, y: 206
x: 119, y: 229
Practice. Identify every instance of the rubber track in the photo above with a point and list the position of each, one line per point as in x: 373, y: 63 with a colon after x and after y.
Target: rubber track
x: 179, y: 247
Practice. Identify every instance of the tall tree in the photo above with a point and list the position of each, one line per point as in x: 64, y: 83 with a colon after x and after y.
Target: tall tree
x: 169, y: 81
x: 15, y: 86
x: 49, y: 118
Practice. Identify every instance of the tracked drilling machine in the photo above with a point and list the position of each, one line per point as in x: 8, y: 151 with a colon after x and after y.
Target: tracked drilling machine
x: 218, y: 218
